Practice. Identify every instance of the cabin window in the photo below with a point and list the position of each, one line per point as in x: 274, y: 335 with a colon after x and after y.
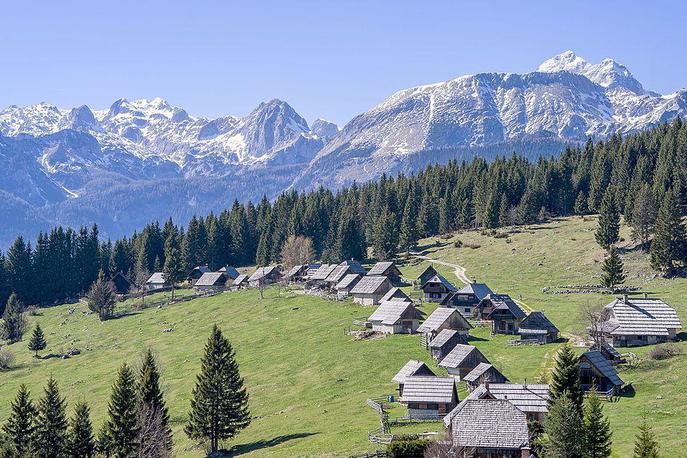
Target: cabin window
x: 467, y: 309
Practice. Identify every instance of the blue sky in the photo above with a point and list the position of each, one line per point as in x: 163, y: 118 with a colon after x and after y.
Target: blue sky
x: 327, y: 59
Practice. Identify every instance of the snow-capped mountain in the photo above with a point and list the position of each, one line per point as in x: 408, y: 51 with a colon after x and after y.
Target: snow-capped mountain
x: 566, y: 100
x: 142, y: 159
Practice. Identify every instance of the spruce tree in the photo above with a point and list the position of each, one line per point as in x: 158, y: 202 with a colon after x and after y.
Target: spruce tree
x: 565, y: 379
x: 219, y: 404
x: 613, y: 273
x: 580, y: 206
x: 81, y: 442
x: 20, y: 426
x: 101, y: 298
x: 597, y: 429
x: 564, y: 429
x: 155, y: 437
x: 385, y: 235
x: 608, y: 231
x: 119, y: 437
x: 408, y: 234
x: 643, y: 217
x: 646, y: 445
x: 50, y: 439
x: 174, y: 273
x: 668, y: 246
x: 37, y: 342
x: 13, y: 323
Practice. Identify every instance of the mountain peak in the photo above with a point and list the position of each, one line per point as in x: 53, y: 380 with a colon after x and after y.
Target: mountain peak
x: 566, y: 61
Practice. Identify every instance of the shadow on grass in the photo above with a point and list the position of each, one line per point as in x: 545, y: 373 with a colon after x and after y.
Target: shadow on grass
x: 242, y: 449
x: 124, y: 315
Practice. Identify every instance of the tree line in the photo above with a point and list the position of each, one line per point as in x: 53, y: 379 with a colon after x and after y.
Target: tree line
x: 635, y: 173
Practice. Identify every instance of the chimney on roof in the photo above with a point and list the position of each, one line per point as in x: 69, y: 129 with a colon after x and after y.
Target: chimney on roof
x: 625, y: 298
x: 486, y: 384
x: 524, y: 385
x: 646, y: 295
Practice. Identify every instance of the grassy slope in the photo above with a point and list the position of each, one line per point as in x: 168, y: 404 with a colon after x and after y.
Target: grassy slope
x: 308, y: 381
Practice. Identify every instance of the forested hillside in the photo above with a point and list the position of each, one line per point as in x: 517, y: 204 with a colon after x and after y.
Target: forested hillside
x: 389, y: 214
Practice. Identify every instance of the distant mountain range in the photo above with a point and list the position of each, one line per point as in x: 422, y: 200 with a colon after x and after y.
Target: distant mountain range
x: 146, y: 159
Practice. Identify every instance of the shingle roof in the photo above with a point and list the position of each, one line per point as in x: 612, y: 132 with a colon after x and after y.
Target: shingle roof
x: 439, y: 316
x: 211, y: 279
x: 261, y: 273
x: 537, y: 321
x: 348, y: 281
x: 240, y: 279
x: 354, y: 267
x: 295, y: 270
x: 479, y: 371
x: 602, y: 365
x: 157, y: 278
x: 396, y: 294
x: 641, y: 317
x: 456, y: 357
x: 504, y: 302
x: 369, y: 285
x: 323, y: 272
x: 480, y: 290
x: 444, y: 336
x: 336, y: 274
x: 380, y: 268
x: 390, y: 312
x: 229, y: 271
x: 490, y: 423
x: 440, y: 279
x: 411, y: 368
x: 428, y: 389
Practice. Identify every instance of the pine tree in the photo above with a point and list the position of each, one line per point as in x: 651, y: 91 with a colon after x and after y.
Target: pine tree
x: 385, y: 236
x: 608, y: 231
x: 20, y: 426
x: 37, y: 342
x: 613, y: 273
x: 119, y: 437
x: 668, y: 246
x: 13, y: 323
x: 565, y: 380
x: 219, y: 404
x: 80, y: 440
x: 173, y: 269
x: 101, y: 298
x: 643, y: 216
x: 408, y: 234
x: 597, y: 429
x: 50, y: 439
x: 646, y: 445
x: 564, y: 429
x: 155, y: 437
x: 580, y: 207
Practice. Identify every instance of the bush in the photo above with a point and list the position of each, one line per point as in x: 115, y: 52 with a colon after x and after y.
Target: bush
x: 413, y: 448
x: 660, y: 352
x: 458, y: 243
x: 474, y: 246
x: 6, y: 359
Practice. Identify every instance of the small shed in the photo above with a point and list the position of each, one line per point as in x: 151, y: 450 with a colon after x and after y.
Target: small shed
x: 639, y: 321
x: 444, y: 318
x: 536, y: 326
x: 437, y: 288
x: 462, y: 360
x: 344, y: 287
x: 230, y: 272
x: 411, y: 368
x: 211, y: 282
x: 370, y: 289
x: 395, y: 317
x: 264, y: 276
x: 504, y: 313
x: 196, y: 273
x: 396, y: 294
x: 318, y: 277
x: 426, y: 274
x: 429, y: 397
x: 596, y: 372
x: 240, y: 282
x: 297, y: 273
x: 466, y: 299
x: 156, y: 281
x: 443, y: 343
x: 482, y: 373
x: 609, y: 352
x: 387, y: 269
x: 121, y: 283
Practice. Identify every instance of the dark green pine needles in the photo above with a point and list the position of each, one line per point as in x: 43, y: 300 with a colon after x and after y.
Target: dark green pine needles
x: 20, y: 426
x: 219, y: 404
x: 565, y: 379
x: 81, y: 441
x: 37, y: 342
x: 119, y: 436
x: 50, y: 439
x: 155, y: 438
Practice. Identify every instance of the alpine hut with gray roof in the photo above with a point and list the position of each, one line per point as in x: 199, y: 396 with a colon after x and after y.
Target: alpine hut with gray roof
x: 264, y: 276
x: 370, y: 290
x: 212, y: 282
x: 537, y: 327
x: 443, y: 343
x: 387, y: 269
x: 156, y: 281
x: 505, y: 315
x: 596, y: 372
x: 437, y: 288
x: 426, y: 274
x: 396, y: 294
x: 466, y: 299
x: 296, y: 274
x: 343, y: 269
x: 395, y: 317
x: 444, y: 318
x: 639, y: 321
x: 344, y: 287
x: 229, y: 271
x: 240, y: 282
x: 196, y: 273
x: 429, y: 397
x: 462, y: 360
x: 484, y: 372
x: 317, y: 278
x: 411, y: 368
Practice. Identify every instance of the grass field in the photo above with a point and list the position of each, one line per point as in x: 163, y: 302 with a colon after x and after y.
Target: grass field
x: 308, y: 380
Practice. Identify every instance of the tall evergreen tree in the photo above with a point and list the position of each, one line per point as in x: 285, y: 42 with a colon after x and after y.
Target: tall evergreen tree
x: 385, y: 235
x: 50, y: 438
x: 646, y: 445
x: 565, y: 380
x: 37, y: 342
x: 219, y: 404
x: 408, y: 234
x: 597, y: 429
x: 643, y: 216
x: 13, y: 323
x: 155, y: 437
x: 564, y: 429
x: 101, y: 298
x: 612, y: 270
x: 119, y: 437
x: 608, y: 230
x: 173, y: 270
x: 21, y: 425
x: 81, y: 443
x: 668, y: 248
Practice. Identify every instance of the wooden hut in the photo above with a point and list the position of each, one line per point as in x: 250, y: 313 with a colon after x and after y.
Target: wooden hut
x: 156, y: 281
x: 264, y: 276
x: 466, y: 299
x: 344, y: 287
x: 196, y: 273
x: 444, y: 318
x: 341, y: 270
x: 369, y: 290
x: 388, y: 270
x: 462, y: 360
x: 411, y: 368
x: 639, y: 321
x: 444, y: 342
x: 121, y: 283
x: 429, y: 397
x: 396, y: 294
x: 426, y: 274
x: 240, y: 282
x: 318, y: 277
x: 437, y: 288
x: 504, y: 313
x: 395, y: 317
x: 212, y: 282
x: 609, y: 352
x: 482, y: 373
x: 538, y: 328
x: 296, y: 274
x: 596, y: 372
x: 230, y: 272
